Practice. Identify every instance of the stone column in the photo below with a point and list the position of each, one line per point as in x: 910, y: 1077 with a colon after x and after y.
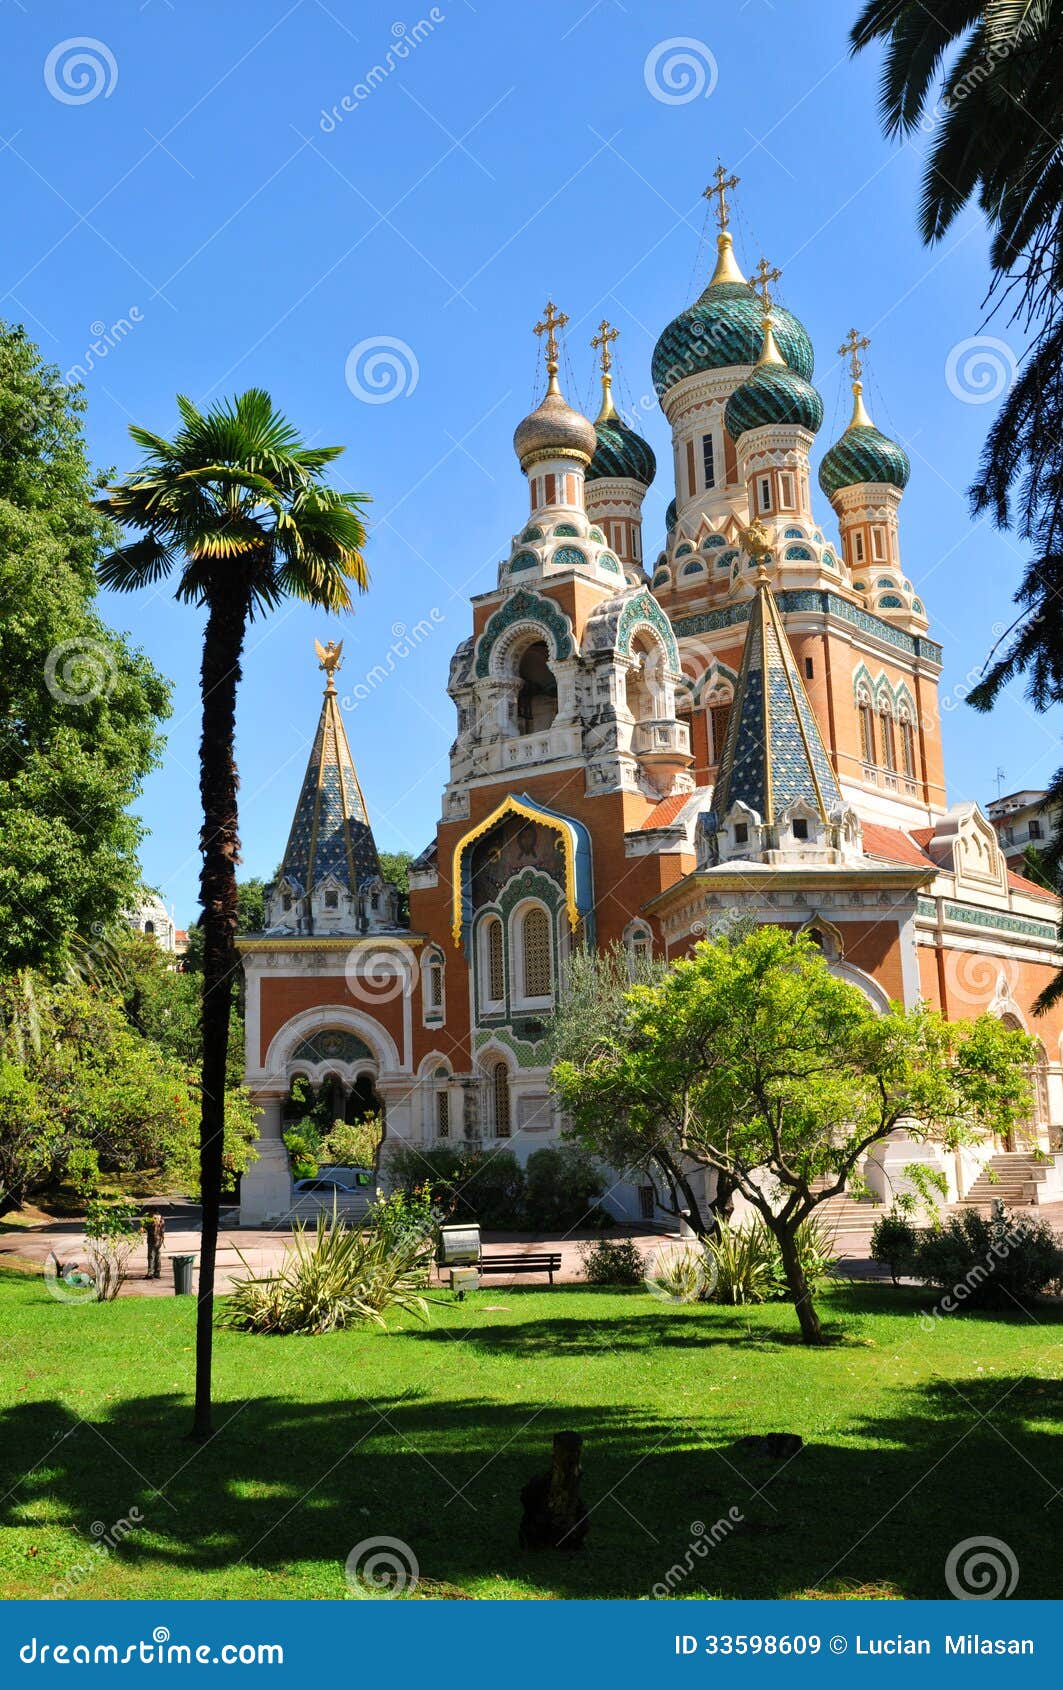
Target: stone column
x: 266, y: 1187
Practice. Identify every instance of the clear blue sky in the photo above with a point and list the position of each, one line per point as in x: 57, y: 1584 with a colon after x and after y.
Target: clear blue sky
x: 514, y: 152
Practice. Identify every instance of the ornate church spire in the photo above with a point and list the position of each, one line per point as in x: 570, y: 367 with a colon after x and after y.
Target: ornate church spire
x: 774, y: 755
x: 331, y: 839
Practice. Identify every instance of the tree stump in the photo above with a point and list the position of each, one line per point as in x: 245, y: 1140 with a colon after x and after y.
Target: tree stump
x: 555, y: 1515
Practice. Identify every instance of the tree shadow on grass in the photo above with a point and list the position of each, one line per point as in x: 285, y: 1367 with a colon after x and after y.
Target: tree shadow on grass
x: 288, y: 1488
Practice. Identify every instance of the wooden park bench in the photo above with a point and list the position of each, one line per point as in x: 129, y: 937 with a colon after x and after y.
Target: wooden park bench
x: 543, y: 1262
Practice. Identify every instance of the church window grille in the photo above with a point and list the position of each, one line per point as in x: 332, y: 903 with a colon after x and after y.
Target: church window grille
x: 719, y: 716
x: 810, y: 669
x: 537, y: 960
x: 786, y: 489
x: 858, y: 546
x: 765, y: 493
x: 708, y: 461
x: 496, y: 972
x: 500, y: 1099
x: 443, y: 1113
x: 434, y: 984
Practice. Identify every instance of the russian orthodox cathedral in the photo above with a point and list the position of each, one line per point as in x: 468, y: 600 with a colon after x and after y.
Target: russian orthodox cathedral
x: 745, y: 723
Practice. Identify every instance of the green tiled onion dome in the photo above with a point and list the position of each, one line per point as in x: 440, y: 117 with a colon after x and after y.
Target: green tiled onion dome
x: 723, y: 327
x: 772, y: 394
x: 863, y: 453
x: 621, y: 454
x: 670, y: 517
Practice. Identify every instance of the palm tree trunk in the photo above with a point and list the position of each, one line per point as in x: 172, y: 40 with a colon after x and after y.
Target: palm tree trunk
x: 220, y: 847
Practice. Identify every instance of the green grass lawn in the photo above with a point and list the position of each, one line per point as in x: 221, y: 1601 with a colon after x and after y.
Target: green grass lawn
x: 914, y: 1440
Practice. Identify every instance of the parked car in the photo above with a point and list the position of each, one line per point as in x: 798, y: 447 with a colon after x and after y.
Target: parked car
x: 334, y: 1185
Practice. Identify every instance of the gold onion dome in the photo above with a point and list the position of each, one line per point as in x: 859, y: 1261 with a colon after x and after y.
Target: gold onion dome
x: 554, y: 430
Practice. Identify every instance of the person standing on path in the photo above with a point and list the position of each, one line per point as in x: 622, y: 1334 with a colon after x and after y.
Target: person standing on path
x: 155, y: 1229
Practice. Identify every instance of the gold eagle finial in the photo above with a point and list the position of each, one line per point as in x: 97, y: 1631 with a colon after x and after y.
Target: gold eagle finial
x: 329, y: 659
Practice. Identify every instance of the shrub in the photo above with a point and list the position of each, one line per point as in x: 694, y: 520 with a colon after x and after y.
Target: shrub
x: 894, y: 1242
x: 333, y: 1277
x: 352, y: 1145
x: 745, y: 1262
x: 111, y: 1231
x: 742, y: 1263
x: 683, y: 1276
x: 613, y: 1262
x: 301, y: 1154
x: 982, y: 1263
x: 466, y: 1185
x: 562, y: 1184
x: 404, y: 1214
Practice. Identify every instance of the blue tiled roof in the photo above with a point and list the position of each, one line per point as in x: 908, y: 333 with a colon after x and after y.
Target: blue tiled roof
x: 330, y: 835
x: 774, y: 751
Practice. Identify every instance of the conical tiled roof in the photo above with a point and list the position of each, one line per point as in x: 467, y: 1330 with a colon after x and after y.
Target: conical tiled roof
x: 774, y: 752
x: 331, y: 835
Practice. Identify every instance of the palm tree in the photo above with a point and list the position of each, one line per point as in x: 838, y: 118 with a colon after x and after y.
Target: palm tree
x: 237, y: 505
x: 985, y: 78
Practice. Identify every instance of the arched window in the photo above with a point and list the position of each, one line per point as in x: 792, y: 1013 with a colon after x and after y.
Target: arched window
x: 639, y: 942
x: 500, y: 1099
x: 442, y: 1104
x: 907, y: 747
x: 867, y: 730
x: 537, y: 974
x: 433, y: 986
x: 889, y: 742
x: 537, y: 697
x: 492, y: 964
x: 149, y: 927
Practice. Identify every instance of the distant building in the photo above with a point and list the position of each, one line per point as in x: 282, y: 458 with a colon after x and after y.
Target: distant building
x: 1020, y: 821
x: 151, y: 917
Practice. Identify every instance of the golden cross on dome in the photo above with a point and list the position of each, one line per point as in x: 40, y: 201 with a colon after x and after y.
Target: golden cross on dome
x: 718, y: 190
x: 761, y: 279
x: 851, y: 348
x: 606, y: 334
x: 553, y: 319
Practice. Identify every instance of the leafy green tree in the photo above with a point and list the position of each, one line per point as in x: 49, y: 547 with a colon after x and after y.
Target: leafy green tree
x: 79, y: 706
x: 250, y: 918
x: 985, y: 78
x: 84, y: 1094
x: 749, y: 1059
x: 238, y: 506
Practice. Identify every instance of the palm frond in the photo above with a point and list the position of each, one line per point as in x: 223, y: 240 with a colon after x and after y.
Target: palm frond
x: 138, y: 564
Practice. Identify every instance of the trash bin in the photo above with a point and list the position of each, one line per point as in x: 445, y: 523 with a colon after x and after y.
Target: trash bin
x: 182, y: 1275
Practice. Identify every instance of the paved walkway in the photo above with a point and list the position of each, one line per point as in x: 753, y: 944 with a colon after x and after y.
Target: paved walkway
x: 263, y: 1249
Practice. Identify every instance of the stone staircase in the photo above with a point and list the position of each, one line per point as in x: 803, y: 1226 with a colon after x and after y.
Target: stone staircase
x: 1011, y: 1177
x: 847, y: 1221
